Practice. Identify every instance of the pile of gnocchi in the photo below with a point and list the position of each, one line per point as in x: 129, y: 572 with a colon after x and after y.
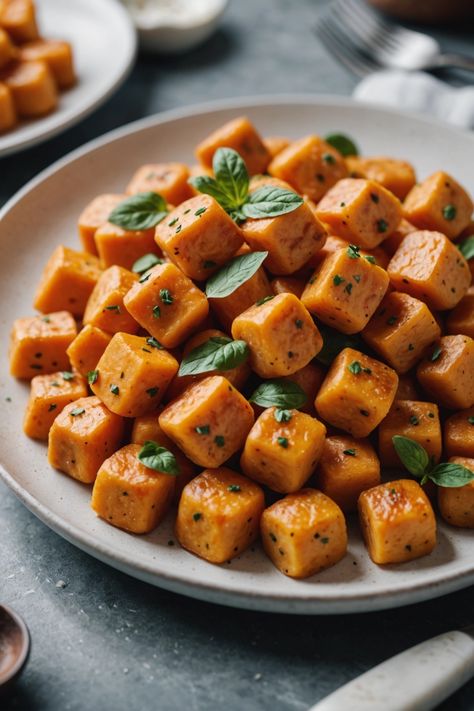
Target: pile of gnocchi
x: 261, y: 334
x: 33, y: 70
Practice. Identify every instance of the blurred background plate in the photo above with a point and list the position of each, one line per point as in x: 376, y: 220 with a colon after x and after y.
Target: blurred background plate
x: 45, y: 212
x: 103, y: 40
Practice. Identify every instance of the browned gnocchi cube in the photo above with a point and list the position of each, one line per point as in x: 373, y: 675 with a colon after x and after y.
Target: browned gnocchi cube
x: 347, y: 467
x: 8, y: 117
x: 357, y: 393
x: 458, y: 434
x: 67, y: 281
x: 18, y: 18
x: 282, y: 449
x: 281, y: 335
x: 32, y: 87
x: 209, y: 421
x: 82, y: 436
x: 419, y: 421
x: 170, y: 180
x: 304, y: 533
x: 310, y: 165
x: 439, y: 203
x: 115, y: 245
x: 447, y: 372
x: 241, y: 135
x: 133, y: 374
x: 397, y: 521
x: 289, y: 239
x: 86, y: 349
x: 57, y: 54
x: 129, y: 495
x: 49, y: 395
x: 461, y: 318
x: 346, y: 290
x: 456, y: 505
x: 398, y: 176
x: 430, y: 268
x: 360, y: 211
x: 39, y: 344
x: 401, y: 330
x: 167, y: 304
x: 8, y: 51
x: 199, y: 236
x: 94, y: 215
x: 219, y: 514
x: 105, y: 308
x: 407, y: 387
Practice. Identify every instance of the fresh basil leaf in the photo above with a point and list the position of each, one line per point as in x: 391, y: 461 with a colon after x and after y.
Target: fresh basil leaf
x: 218, y: 353
x: 209, y: 186
x: 139, y: 212
x: 451, y: 475
x: 270, y: 201
x: 342, y: 143
x: 466, y: 247
x: 234, y: 274
x: 279, y: 393
x: 156, y: 457
x: 148, y: 261
x: 231, y: 175
x: 414, y: 457
x: 335, y: 342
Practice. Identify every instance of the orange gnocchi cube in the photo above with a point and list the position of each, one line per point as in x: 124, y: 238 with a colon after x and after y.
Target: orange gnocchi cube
x: 105, y: 308
x: 56, y: 54
x: 461, y: 318
x: 397, y: 521
x: 123, y: 247
x: 170, y: 180
x: 447, y: 373
x: 333, y: 244
x: 39, y: 344
x: 401, y: 330
x: 18, y: 18
x: 209, y: 421
x: 398, y: 176
x: 7, y: 109
x: 310, y: 165
x: 304, y: 533
x: 49, y: 395
x: 281, y: 335
x: 282, y: 449
x: 357, y: 393
x: 347, y: 467
x: 440, y: 204
x: 67, y: 281
x: 199, y: 237
x: 229, y: 307
x: 456, y: 505
x: 360, y: 211
x: 288, y: 285
x: 241, y: 135
x: 310, y: 379
x: 458, y: 434
x: 8, y: 51
x: 416, y: 420
x: 32, y: 86
x: 81, y: 438
x: 133, y: 374
x: 407, y: 387
x: 346, y: 290
x: 430, y: 268
x: 86, y: 349
x: 219, y: 514
x: 129, y: 495
x: 95, y: 214
x: 167, y: 304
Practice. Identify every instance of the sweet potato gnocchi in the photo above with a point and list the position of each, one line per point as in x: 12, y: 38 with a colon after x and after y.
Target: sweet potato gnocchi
x: 270, y: 341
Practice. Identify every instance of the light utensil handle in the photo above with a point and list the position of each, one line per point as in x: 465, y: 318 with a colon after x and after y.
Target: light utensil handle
x: 415, y: 680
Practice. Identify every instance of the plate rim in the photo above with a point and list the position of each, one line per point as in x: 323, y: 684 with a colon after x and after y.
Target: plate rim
x: 306, y: 602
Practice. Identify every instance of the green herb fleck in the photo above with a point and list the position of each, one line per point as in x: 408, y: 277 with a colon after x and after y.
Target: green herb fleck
x: 46, y: 319
x: 353, y: 251
x: 77, y: 411
x: 449, y: 212
x: 329, y: 158
x: 173, y: 222
x: 260, y: 302
x: 414, y: 420
x: 92, y: 376
x: 114, y: 307
x: 391, y: 320
x: 165, y: 296
x: 324, y: 540
x: 283, y: 442
x: 197, y: 516
x: 369, y: 258
x: 233, y: 487
x: 382, y: 225
x: 350, y: 452
x: 152, y: 391
x: 114, y: 389
x: 219, y: 440
x: 299, y: 323
x: 357, y: 278
x: 156, y: 312
x: 154, y: 343
x: 200, y: 212
x: 436, y: 354
x: 348, y: 288
x: 203, y: 429
x: 282, y: 415
x: 67, y: 375
x: 52, y: 407
x: 337, y: 279
x: 470, y: 420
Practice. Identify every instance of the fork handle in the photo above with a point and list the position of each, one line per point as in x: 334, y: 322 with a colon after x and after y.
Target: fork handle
x: 459, y: 61
x: 418, y: 679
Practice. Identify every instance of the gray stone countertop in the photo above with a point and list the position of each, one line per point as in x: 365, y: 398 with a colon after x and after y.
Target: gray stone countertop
x: 102, y: 640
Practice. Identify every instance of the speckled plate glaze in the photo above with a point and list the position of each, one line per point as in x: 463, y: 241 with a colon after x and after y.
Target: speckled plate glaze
x: 45, y: 212
x: 102, y: 35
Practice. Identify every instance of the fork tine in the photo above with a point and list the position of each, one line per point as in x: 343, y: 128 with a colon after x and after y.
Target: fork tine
x: 335, y: 44
x: 345, y: 42
x: 365, y: 24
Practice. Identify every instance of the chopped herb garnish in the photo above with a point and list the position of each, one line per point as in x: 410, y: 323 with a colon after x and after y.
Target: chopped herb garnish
x: 283, y: 442
x: 173, y: 222
x: 431, y: 414
x: 324, y: 540
x: 348, y: 288
x: 165, y: 296
x: 200, y: 212
x: 374, y: 197
x: 144, y: 278
x: 152, y: 391
x: 52, y: 407
x: 219, y: 440
x: 299, y: 323
x: 357, y: 278
x: 146, y: 350
x: 260, y: 302
x: 337, y: 279
x: 203, y: 429
x: 156, y: 312
x: 449, y: 212
x: 46, y: 319
x: 197, y: 516
x: 154, y: 343
x: 391, y: 320
x: 411, y: 347
x: 178, y: 229
x: 67, y: 375
x: 350, y: 452
x: 436, y: 353
x: 364, y: 413
x: 209, y: 264
x: 233, y: 487
x: 55, y: 384
x: 281, y: 415
x: 114, y: 389
x: 382, y: 225
x: 355, y: 368
x: 92, y: 376
x: 414, y: 420
x: 77, y: 411
x: 369, y: 258
x: 273, y: 537
x: 470, y: 420
x: 353, y: 251
x: 328, y: 158
x: 114, y: 307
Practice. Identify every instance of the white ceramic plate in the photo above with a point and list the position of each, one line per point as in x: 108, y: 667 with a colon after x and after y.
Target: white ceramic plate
x: 45, y: 213
x: 103, y: 39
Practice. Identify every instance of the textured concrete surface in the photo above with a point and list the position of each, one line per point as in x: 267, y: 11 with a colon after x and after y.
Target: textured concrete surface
x: 104, y: 641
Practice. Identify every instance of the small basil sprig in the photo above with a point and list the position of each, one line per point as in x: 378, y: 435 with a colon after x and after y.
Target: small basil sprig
x: 279, y: 393
x: 342, y: 143
x: 466, y: 247
x: 156, y: 457
x: 139, y: 212
x: 416, y: 460
x: 230, y: 187
x: 148, y: 261
x: 218, y: 353
x: 234, y: 274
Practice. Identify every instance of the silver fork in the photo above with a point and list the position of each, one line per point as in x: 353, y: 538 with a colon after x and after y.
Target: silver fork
x: 364, y: 42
